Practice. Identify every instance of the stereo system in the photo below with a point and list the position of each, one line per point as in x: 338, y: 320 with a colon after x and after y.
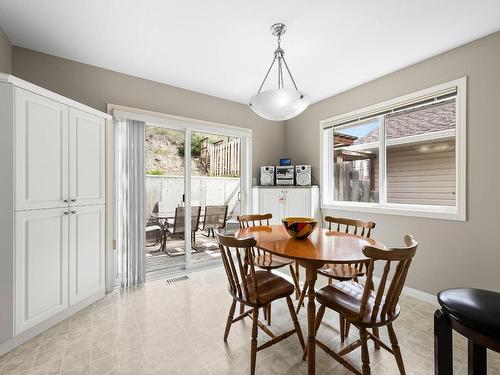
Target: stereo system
x: 303, y: 175
x: 285, y: 175
x: 267, y: 175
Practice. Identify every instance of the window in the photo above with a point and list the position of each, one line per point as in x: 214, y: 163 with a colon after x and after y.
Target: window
x: 405, y: 156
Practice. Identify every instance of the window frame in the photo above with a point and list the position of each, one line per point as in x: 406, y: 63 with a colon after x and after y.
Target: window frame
x: 457, y: 212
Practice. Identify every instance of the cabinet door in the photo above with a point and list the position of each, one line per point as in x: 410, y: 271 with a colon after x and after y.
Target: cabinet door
x: 298, y: 202
x: 41, y: 289
x: 41, y: 134
x: 271, y: 201
x: 86, y: 252
x: 87, y: 158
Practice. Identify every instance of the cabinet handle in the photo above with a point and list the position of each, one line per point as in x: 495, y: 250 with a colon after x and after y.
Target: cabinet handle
x: 66, y: 212
x: 65, y: 201
x: 73, y: 212
x: 73, y: 200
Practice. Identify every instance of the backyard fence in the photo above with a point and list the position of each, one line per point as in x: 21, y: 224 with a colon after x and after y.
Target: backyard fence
x: 221, y: 158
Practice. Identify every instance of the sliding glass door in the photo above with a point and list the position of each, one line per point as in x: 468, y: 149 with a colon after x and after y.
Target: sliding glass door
x: 207, y: 182
x: 165, y: 176
x: 215, y: 181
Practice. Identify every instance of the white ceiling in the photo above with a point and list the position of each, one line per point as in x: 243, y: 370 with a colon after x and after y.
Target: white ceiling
x: 223, y: 47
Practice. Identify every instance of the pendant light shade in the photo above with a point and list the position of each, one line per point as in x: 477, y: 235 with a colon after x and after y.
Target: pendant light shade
x: 281, y: 103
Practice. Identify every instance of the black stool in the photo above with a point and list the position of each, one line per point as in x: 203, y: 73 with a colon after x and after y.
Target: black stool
x: 475, y: 314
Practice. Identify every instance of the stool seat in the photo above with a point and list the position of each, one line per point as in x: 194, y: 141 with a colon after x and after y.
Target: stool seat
x: 476, y: 308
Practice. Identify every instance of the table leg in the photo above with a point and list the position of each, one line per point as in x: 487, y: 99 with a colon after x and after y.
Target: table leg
x: 311, y: 276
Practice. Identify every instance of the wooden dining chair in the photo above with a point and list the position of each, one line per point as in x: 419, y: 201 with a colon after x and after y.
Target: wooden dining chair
x: 255, y: 289
x: 264, y: 260
x: 367, y: 307
x: 343, y: 272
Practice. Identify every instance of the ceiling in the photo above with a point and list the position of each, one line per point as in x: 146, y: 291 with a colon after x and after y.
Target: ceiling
x: 224, y: 47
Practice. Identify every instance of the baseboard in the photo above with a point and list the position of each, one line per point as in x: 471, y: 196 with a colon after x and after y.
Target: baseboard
x: 27, y: 335
x: 415, y: 293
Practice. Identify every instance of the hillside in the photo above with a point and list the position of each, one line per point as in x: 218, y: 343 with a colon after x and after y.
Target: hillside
x: 162, y: 154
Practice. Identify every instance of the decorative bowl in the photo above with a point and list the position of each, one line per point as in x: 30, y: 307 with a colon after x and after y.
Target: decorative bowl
x: 299, y: 227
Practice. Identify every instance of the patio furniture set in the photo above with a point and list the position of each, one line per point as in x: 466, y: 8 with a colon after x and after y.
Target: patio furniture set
x: 162, y: 226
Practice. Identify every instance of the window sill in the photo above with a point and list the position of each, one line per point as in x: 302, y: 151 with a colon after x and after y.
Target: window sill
x: 431, y: 212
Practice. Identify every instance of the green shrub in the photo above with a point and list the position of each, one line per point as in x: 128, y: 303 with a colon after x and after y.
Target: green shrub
x: 155, y: 173
x: 196, y: 141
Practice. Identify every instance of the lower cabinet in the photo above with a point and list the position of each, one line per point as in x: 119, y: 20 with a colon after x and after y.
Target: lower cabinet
x: 59, y: 261
x: 41, y: 266
x: 286, y: 202
x: 86, y: 252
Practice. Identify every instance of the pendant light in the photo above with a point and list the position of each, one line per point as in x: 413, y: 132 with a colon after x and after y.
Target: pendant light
x: 281, y: 103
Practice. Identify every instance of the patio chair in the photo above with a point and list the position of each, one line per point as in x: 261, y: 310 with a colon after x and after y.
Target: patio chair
x: 215, y: 218
x: 177, y: 228
x: 154, y: 231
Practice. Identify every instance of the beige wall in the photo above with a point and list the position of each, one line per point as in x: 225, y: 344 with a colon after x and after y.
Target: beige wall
x: 96, y: 87
x: 451, y: 253
x: 5, y: 53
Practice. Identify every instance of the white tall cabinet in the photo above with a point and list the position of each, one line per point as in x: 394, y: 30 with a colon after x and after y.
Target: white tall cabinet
x: 52, y: 208
x: 286, y: 201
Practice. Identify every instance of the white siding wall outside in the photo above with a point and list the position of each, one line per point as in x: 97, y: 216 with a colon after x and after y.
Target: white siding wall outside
x: 419, y: 178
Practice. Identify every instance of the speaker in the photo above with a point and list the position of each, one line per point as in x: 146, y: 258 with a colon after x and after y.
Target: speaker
x: 267, y: 175
x: 303, y: 175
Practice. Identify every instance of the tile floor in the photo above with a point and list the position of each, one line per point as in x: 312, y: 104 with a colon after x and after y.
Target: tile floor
x: 177, y: 329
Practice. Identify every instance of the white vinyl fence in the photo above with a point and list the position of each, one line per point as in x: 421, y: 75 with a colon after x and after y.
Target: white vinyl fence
x: 205, y: 190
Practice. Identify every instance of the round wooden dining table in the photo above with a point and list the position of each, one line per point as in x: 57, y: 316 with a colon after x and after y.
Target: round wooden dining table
x: 321, y: 247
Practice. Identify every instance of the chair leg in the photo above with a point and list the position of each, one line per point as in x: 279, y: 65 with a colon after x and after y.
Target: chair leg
x: 396, y: 349
x: 295, y: 282
x: 297, y: 270
x: 242, y: 308
x: 296, y: 323
x: 443, y: 344
x: 376, y: 334
x: 342, y: 324
x: 365, y: 357
x: 269, y: 314
x: 253, y: 345
x: 477, y: 359
x: 301, y: 298
x: 230, y: 319
x: 319, y: 316
x: 347, y: 328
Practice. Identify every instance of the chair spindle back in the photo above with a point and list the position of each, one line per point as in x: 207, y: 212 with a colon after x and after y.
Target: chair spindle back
x: 256, y: 220
x: 357, y: 227
x: 260, y: 220
x: 388, y: 291
x: 237, y: 257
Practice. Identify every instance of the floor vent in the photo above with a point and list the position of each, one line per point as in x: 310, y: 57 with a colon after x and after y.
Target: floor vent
x: 173, y: 280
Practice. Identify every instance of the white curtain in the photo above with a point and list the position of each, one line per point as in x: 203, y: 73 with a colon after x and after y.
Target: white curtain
x: 130, y: 220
